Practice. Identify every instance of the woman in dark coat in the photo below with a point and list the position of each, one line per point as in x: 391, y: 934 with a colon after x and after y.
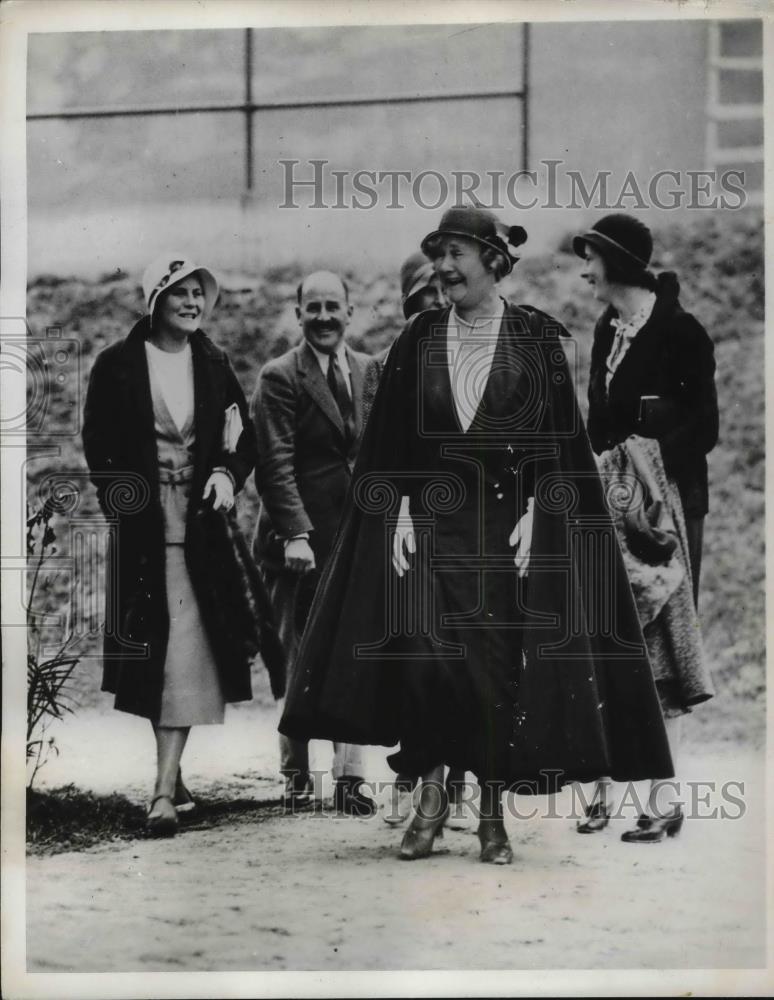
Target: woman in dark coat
x: 652, y: 365
x: 165, y: 429
x: 420, y: 290
x: 652, y: 377
x: 424, y: 632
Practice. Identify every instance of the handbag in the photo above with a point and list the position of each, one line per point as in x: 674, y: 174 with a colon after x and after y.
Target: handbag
x: 648, y: 537
x: 649, y: 529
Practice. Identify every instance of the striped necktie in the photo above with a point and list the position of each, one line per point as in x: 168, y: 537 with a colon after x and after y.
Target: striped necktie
x: 338, y: 388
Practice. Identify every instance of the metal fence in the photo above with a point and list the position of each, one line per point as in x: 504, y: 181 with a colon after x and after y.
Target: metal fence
x: 249, y: 107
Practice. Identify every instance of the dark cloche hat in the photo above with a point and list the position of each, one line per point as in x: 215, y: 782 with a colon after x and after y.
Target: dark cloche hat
x: 619, y: 237
x: 416, y: 274
x: 477, y: 223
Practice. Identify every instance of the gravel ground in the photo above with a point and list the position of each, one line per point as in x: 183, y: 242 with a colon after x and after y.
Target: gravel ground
x: 263, y: 891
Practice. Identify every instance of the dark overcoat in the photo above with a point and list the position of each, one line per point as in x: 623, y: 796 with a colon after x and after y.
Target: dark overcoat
x: 583, y: 702
x: 671, y: 357
x: 120, y: 446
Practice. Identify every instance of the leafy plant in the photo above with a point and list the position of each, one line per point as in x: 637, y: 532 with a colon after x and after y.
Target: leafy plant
x: 47, y: 678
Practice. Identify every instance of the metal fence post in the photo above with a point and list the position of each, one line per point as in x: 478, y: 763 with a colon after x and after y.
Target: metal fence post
x: 249, y: 109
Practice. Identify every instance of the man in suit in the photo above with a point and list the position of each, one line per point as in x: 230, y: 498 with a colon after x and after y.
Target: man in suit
x: 308, y: 416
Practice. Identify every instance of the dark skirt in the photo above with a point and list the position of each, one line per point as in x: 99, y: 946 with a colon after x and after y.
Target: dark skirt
x: 460, y: 695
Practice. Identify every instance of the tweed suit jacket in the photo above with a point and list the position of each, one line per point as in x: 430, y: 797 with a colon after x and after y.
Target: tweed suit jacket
x: 304, y: 462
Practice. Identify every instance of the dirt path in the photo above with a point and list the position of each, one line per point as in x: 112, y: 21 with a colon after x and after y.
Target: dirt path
x: 269, y: 892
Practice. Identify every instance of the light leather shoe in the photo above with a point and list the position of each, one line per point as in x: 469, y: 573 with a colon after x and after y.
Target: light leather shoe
x: 597, y: 818
x: 163, y: 823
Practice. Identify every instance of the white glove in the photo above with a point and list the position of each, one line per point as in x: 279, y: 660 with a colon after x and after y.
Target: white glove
x: 220, y: 483
x: 299, y: 556
x: 403, y: 541
x: 521, y: 538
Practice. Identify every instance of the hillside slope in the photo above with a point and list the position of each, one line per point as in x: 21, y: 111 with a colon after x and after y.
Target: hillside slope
x: 720, y: 263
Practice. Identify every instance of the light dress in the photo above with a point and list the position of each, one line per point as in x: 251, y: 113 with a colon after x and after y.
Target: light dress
x: 192, y: 693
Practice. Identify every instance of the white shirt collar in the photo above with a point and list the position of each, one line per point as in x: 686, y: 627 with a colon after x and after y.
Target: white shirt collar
x: 324, y: 359
x: 628, y: 328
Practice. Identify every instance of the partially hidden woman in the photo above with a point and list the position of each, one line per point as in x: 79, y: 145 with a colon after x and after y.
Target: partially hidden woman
x: 427, y: 631
x: 420, y: 290
x: 653, y: 417
x: 167, y: 433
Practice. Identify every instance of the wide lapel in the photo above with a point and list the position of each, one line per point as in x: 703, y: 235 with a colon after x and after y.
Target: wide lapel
x: 492, y: 396
x: 437, y: 376
x: 314, y: 383
x: 207, y: 400
x: 643, y: 343
x: 357, y: 377
x: 139, y: 403
x: 509, y: 402
x: 600, y: 351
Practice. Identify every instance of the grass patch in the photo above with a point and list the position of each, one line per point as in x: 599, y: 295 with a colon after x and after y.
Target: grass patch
x: 69, y: 819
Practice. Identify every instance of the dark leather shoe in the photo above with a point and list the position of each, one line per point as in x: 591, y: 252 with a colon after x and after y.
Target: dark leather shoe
x: 350, y: 799
x: 495, y: 846
x: 419, y: 838
x: 652, y: 829
x: 597, y: 818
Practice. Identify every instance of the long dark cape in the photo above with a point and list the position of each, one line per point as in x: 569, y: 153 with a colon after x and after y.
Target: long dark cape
x: 586, y: 704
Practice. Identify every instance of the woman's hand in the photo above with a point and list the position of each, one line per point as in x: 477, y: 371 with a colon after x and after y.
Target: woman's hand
x: 221, y: 486
x: 521, y: 538
x: 403, y: 541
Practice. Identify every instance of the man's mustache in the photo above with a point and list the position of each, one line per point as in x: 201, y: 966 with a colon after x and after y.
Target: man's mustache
x: 327, y: 326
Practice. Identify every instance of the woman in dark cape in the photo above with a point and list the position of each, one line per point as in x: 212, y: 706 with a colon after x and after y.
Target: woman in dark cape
x: 528, y: 671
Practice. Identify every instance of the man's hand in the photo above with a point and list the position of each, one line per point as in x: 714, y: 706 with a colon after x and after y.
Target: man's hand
x: 521, y: 538
x: 299, y: 556
x: 403, y: 541
x: 223, y: 489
